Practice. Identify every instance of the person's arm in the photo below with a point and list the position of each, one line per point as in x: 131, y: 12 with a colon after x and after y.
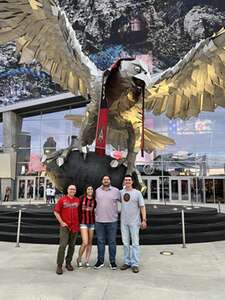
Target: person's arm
x: 143, y: 211
x: 63, y: 224
x: 57, y: 210
x: 119, y: 196
x: 143, y: 217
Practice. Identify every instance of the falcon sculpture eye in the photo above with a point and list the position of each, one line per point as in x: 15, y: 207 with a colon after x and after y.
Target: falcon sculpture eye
x: 137, y: 69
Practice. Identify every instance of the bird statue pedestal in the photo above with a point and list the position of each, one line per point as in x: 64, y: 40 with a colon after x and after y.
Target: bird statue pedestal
x: 79, y: 171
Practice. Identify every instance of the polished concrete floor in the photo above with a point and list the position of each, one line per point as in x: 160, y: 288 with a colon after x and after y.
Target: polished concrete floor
x: 196, y: 272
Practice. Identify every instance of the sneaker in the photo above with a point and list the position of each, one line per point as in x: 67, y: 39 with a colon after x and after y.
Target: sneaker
x: 98, y: 265
x: 124, y: 267
x: 59, y: 270
x: 113, y: 266
x: 69, y: 267
x: 79, y: 264
x: 135, y: 269
x: 87, y: 265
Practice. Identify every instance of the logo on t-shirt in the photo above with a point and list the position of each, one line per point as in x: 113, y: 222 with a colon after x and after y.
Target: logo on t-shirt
x: 126, y: 197
x: 70, y: 205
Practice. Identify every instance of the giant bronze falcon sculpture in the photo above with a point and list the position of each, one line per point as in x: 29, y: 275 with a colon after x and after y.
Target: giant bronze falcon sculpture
x: 119, y: 95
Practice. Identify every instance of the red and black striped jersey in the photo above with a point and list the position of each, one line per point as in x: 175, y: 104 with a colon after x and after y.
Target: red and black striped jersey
x: 87, y: 210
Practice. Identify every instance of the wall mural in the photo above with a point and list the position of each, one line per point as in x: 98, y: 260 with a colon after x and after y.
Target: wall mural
x: 159, y: 32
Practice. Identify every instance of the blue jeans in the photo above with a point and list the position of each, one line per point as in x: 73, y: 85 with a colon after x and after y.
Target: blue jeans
x: 106, y: 231
x: 131, y: 253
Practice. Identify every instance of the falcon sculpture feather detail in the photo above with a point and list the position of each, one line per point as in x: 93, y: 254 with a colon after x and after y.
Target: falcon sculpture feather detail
x: 119, y: 96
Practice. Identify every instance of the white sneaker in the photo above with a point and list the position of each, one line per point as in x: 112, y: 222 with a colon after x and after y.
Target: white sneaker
x: 79, y: 264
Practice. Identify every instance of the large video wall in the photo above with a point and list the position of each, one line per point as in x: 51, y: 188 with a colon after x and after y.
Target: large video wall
x: 157, y: 31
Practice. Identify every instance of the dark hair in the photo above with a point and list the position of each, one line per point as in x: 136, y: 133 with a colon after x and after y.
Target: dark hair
x: 85, y: 190
x: 106, y: 176
x: 129, y: 176
x: 65, y: 189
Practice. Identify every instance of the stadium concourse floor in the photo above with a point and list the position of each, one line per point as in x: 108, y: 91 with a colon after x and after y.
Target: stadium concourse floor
x: 196, y: 272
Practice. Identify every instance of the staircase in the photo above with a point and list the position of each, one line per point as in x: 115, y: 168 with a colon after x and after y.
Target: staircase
x: 39, y: 225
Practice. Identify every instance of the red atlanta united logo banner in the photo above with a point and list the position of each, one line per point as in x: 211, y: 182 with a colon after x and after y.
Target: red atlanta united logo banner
x: 101, y: 131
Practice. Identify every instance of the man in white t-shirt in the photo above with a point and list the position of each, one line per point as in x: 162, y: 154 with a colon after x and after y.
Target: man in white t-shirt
x: 133, y: 217
x: 48, y: 194
x: 53, y: 195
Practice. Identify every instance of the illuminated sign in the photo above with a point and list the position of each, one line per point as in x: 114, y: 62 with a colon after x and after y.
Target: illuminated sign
x: 203, y: 126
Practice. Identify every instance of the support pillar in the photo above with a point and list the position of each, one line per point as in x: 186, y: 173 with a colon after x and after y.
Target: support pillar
x: 12, y: 125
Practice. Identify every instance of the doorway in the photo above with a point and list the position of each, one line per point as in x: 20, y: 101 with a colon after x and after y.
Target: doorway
x: 180, y: 189
x: 153, y: 188
x: 26, y: 188
x: 32, y: 188
x: 214, y: 190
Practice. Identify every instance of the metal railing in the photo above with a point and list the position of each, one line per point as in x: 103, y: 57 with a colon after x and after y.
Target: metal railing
x: 183, y: 230
x: 18, y: 229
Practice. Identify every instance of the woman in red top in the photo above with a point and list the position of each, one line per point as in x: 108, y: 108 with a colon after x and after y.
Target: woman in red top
x: 87, y: 225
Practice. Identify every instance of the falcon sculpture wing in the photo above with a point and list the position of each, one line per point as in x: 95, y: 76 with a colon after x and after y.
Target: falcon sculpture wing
x: 42, y: 32
x: 196, y: 83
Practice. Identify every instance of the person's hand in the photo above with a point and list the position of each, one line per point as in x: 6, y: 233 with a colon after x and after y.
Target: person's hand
x: 63, y: 224
x: 143, y: 225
